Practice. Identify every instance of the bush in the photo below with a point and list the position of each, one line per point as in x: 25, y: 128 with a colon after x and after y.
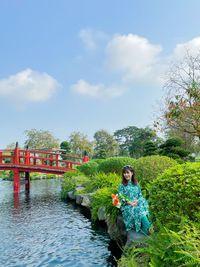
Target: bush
x: 88, y: 168
x: 174, y: 196
x: 148, y: 168
x: 115, y: 164
x: 102, y: 180
x: 102, y: 198
x: 71, y: 179
x: 167, y: 248
x: 98, y: 161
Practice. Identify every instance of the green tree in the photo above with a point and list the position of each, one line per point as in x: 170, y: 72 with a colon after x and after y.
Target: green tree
x: 105, y: 142
x: 143, y: 135
x: 66, y: 146
x: 150, y: 148
x: 131, y: 140
x: 172, y: 148
x: 124, y: 138
x: 38, y: 139
x: 80, y: 143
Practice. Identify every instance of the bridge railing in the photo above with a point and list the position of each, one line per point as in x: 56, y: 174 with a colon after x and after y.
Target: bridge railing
x: 38, y: 158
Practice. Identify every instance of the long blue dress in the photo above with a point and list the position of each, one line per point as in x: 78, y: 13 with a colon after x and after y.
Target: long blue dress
x: 136, y: 217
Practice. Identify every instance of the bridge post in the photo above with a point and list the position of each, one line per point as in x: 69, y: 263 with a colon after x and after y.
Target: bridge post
x: 16, y: 181
x: 16, y: 155
x: 27, y: 181
x: 85, y: 158
x: 1, y: 157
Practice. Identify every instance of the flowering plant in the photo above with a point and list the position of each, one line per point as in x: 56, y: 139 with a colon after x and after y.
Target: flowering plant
x: 119, y: 199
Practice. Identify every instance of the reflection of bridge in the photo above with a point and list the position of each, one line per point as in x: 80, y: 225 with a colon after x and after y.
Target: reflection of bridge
x: 20, y: 160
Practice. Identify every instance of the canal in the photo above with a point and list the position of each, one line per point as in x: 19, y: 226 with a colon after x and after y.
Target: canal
x: 38, y: 229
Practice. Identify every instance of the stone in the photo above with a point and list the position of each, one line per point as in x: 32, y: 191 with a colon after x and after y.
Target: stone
x: 133, y: 236
x: 87, y: 200
x: 101, y: 214
x: 71, y: 195
x: 79, y: 199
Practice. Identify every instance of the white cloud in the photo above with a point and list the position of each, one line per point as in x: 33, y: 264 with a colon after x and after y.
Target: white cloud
x: 90, y: 38
x: 135, y: 57
x: 28, y: 86
x: 97, y: 91
x: 192, y: 46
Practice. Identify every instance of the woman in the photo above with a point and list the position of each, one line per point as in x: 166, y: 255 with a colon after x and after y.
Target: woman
x: 135, y: 212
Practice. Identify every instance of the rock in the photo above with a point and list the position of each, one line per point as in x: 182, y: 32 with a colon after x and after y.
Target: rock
x: 87, y: 200
x: 101, y: 214
x: 84, y: 200
x: 79, y: 199
x: 116, y: 230
x: 71, y: 195
x: 133, y: 236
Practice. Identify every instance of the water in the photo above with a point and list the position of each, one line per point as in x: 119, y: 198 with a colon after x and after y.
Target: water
x: 38, y: 229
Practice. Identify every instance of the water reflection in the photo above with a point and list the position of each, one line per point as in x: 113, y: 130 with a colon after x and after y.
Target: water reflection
x: 37, y: 229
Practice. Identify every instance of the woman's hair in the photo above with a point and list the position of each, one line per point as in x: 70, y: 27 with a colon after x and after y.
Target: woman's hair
x: 133, y: 179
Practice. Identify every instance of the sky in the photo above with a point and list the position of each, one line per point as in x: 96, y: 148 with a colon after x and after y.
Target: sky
x: 87, y: 65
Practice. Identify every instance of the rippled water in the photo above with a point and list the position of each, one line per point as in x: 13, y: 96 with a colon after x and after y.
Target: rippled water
x: 38, y: 229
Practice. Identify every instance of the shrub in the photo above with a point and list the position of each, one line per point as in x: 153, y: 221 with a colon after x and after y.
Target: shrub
x: 148, y: 168
x: 167, y: 248
x: 115, y: 164
x: 71, y: 179
x: 102, y: 198
x: 98, y: 161
x: 88, y: 168
x: 103, y: 180
x: 174, y: 196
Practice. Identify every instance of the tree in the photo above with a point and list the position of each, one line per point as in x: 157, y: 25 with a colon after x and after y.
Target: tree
x: 66, y: 146
x: 150, y: 148
x: 132, y: 139
x: 183, y: 96
x: 105, y: 144
x: 39, y: 139
x: 80, y: 143
x: 172, y: 148
x: 124, y: 138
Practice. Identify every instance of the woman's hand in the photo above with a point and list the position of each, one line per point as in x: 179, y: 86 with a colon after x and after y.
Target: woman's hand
x: 133, y: 203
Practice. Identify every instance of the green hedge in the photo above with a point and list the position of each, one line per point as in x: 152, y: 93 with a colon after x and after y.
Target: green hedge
x: 88, y: 168
x: 148, y: 168
x: 175, y: 196
x: 115, y: 164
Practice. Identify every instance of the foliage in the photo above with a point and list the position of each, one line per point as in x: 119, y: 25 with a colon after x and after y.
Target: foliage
x: 105, y: 142
x: 80, y: 143
x: 89, y: 168
x: 148, y: 168
x: 183, y: 96
x: 132, y: 139
x: 66, y: 146
x: 168, y: 248
x: 102, y: 198
x: 150, y: 148
x: 71, y: 179
x: 174, y: 196
x: 115, y: 164
x: 38, y: 139
x: 172, y: 148
x: 98, y: 161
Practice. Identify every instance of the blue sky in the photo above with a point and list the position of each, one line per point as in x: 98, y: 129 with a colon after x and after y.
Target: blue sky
x: 87, y: 65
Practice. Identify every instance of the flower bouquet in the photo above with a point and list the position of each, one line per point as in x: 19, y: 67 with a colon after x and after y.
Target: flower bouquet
x: 119, y: 199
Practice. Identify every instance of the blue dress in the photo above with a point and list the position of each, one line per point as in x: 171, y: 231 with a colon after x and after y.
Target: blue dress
x: 136, y: 217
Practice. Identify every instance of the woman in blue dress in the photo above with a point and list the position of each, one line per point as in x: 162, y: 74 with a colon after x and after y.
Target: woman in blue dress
x: 135, y: 211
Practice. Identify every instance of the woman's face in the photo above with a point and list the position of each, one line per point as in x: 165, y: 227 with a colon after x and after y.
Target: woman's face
x: 128, y: 175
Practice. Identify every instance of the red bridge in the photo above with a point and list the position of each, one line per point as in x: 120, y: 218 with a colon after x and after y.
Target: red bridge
x: 21, y: 160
